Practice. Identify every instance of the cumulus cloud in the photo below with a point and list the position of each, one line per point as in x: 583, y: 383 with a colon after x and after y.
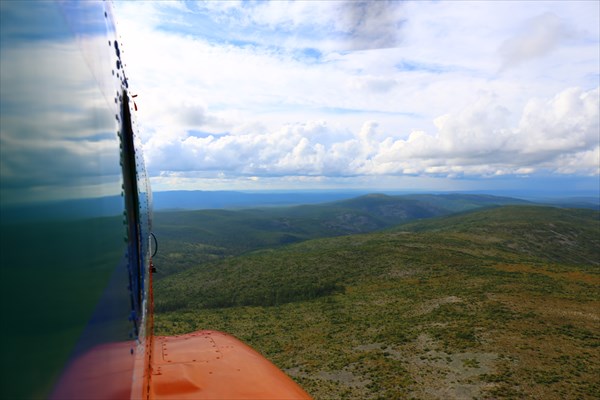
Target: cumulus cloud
x: 558, y: 135
x: 446, y: 57
x: 479, y: 140
x: 287, y: 90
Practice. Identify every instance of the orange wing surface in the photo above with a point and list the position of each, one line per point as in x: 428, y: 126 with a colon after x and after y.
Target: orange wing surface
x: 214, y: 365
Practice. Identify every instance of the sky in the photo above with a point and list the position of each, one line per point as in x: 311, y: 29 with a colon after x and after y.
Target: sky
x: 440, y: 95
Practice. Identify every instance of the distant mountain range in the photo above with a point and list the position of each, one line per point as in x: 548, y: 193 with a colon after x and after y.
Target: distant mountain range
x: 380, y: 204
x: 211, y: 234
x: 198, y: 199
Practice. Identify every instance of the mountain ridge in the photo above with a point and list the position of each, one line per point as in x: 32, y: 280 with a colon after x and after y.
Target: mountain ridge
x: 212, y: 234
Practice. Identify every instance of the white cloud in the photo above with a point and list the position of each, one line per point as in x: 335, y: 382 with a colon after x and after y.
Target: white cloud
x: 558, y: 135
x: 430, y: 99
x: 479, y: 139
x: 324, y: 25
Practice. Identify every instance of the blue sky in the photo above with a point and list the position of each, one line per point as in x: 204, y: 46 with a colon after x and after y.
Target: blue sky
x: 384, y: 95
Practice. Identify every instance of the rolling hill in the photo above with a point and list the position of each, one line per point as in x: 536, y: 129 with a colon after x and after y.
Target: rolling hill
x: 496, y: 302
x: 194, y: 237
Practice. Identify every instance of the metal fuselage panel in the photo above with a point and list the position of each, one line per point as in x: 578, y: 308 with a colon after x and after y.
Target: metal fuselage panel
x: 75, y: 223
x: 69, y: 296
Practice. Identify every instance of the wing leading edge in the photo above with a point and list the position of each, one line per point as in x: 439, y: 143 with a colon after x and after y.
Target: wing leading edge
x: 210, y: 365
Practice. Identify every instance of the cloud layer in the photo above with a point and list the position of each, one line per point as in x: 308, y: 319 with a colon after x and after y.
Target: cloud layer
x: 559, y: 135
x: 365, y: 89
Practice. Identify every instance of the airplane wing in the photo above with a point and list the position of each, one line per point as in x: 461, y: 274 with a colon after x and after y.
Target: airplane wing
x: 215, y: 365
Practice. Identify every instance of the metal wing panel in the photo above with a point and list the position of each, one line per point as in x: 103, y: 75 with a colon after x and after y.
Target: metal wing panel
x: 214, y: 365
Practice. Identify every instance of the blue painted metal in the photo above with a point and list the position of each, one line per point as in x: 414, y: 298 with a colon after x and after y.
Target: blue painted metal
x: 69, y: 283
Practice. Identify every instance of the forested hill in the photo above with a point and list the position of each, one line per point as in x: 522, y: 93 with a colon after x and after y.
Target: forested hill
x: 193, y: 237
x: 384, y: 210
x: 320, y: 267
x: 493, y: 303
x: 554, y: 234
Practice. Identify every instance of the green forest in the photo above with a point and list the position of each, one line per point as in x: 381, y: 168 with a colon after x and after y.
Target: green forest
x: 395, y: 297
